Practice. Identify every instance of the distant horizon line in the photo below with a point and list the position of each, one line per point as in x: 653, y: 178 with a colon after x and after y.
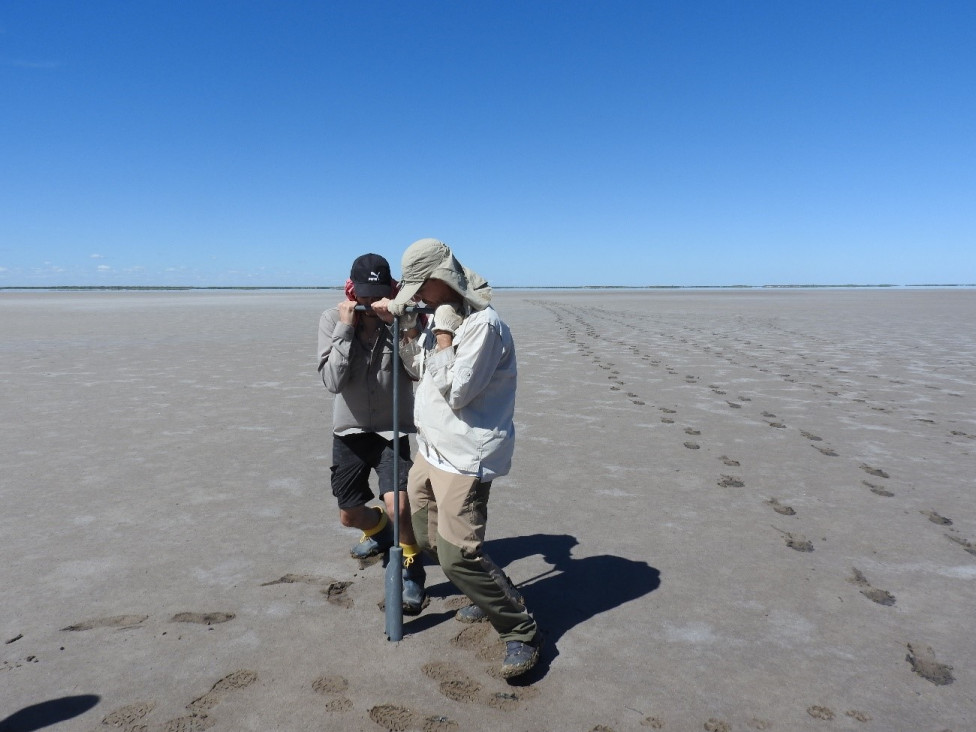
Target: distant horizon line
x: 57, y: 288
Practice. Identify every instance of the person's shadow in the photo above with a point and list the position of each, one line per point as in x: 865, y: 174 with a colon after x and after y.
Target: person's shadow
x: 48, y: 713
x: 574, y: 590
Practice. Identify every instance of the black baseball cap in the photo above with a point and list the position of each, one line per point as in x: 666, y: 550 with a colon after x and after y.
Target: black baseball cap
x: 371, y: 277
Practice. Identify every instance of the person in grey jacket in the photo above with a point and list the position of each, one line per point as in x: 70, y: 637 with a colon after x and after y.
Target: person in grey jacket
x: 356, y: 364
x: 464, y: 410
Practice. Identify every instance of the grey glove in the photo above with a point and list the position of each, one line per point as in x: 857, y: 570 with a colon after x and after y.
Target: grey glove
x: 447, y: 319
x: 398, y: 308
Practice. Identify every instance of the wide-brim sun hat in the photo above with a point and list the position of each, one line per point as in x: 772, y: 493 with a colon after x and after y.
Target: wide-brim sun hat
x: 432, y: 258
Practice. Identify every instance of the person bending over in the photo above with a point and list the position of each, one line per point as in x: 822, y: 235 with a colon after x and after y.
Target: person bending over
x: 355, y: 362
x: 464, y: 407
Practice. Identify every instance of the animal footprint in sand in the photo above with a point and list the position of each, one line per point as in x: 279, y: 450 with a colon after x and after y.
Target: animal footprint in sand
x: 729, y: 461
x: 819, y: 712
x: 967, y: 545
x: 797, y: 542
x: 882, y: 597
x: 922, y: 660
x: 730, y: 481
x: 114, y: 621
x: 877, y: 489
x: 780, y: 508
x: 936, y: 518
x: 202, y: 618
x: 876, y: 472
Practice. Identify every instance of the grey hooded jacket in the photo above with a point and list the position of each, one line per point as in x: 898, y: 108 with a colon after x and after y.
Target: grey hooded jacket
x: 362, y: 380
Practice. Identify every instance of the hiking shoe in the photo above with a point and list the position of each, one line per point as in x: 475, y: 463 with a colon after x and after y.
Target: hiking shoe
x: 414, y: 577
x: 470, y: 614
x: 373, y: 546
x: 520, y: 657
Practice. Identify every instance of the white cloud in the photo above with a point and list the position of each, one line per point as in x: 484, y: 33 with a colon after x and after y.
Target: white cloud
x: 97, y: 256
x: 104, y: 268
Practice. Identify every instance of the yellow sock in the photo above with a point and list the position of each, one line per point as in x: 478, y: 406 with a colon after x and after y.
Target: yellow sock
x: 410, y: 552
x: 380, y: 525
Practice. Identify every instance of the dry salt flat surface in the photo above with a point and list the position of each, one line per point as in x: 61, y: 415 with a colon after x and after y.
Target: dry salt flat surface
x: 729, y: 510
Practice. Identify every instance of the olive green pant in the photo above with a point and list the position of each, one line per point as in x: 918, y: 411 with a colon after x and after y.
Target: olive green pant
x: 449, y: 513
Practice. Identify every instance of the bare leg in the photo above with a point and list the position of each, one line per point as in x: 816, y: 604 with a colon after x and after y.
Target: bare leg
x: 406, y: 527
x: 359, y: 517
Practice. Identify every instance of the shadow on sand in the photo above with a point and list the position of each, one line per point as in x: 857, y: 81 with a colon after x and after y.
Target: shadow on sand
x: 572, y: 591
x: 48, y: 713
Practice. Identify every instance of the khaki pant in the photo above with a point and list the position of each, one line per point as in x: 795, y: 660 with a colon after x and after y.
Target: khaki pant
x: 449, y: 513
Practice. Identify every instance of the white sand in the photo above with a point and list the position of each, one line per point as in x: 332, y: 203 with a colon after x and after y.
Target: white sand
x: 168, y: 453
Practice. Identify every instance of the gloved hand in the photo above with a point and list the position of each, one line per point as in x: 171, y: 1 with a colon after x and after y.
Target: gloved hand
x: 398, y: 308
x: 447, y: 319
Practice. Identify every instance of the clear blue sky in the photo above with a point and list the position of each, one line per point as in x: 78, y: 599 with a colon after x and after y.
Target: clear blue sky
x: 652, y: 142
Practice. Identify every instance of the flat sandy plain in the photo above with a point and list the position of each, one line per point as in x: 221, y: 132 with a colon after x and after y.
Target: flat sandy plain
x: 729, y: 510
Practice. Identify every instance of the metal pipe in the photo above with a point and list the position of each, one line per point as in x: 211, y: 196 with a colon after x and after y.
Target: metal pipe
x: 394, y: 567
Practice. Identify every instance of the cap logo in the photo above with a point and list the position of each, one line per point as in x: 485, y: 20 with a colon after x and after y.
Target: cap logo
x: 374, y: 276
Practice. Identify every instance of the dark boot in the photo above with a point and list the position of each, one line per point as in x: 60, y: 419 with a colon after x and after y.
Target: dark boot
x: 470, y: 614
x: 414, y: 577
x: 520, y: 656
x: 378, y: 543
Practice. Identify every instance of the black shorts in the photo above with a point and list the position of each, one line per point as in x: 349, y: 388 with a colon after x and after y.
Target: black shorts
x: 353, y: 456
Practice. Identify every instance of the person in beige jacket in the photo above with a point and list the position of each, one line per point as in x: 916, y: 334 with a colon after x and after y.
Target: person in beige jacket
x: 464, y: 409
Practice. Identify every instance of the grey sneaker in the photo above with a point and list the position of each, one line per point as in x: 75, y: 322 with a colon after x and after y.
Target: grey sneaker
x: 470, y: 614
x: 372, y: 546
x: 520, y: 657
x: 414, y: 577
